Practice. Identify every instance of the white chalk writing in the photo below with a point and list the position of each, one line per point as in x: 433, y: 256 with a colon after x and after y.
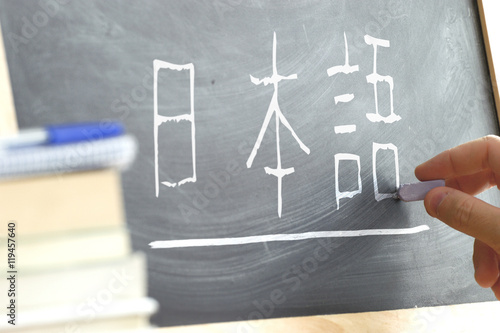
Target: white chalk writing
x: 159, y: 120
x: 274, y: 109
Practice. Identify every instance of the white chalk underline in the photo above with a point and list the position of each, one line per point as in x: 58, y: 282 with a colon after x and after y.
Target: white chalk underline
x: 170, y: 244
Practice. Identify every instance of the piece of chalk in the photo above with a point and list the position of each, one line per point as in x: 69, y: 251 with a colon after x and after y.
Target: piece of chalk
x: 417, y: 191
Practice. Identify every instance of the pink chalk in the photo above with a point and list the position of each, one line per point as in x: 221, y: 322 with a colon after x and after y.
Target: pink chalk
x: 417, y: 191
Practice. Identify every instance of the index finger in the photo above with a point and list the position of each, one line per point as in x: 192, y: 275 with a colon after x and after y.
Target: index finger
x: 469, y: 158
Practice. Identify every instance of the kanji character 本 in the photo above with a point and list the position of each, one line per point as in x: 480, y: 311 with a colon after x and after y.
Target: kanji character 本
x: 275, y: 110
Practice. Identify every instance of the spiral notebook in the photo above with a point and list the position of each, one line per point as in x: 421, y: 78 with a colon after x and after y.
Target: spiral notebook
x: 86, y: 155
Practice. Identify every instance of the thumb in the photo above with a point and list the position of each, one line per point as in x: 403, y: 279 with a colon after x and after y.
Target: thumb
x: 465, y: 213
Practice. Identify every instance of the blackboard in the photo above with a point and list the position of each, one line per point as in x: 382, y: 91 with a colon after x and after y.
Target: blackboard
x: 363, y: 91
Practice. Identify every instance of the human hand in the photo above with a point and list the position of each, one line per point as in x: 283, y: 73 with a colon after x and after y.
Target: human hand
x: 469, y: 169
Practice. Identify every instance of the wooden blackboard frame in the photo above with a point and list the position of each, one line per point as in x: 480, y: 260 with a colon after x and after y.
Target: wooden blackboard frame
x: 8, y: 121
x: 486, y: 24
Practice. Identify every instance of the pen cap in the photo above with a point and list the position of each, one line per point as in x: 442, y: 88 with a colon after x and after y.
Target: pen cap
x: 60, y: 134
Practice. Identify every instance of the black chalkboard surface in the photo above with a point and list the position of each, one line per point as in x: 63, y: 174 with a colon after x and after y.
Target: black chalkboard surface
x: 272, y: 134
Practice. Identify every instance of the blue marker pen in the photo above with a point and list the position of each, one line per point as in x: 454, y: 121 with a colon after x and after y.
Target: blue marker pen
x: 62, y: 134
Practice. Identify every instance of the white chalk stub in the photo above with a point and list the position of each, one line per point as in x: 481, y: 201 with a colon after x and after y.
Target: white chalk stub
x: 417, y: 191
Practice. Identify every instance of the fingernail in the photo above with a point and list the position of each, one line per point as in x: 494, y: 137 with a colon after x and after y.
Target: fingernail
x: 436, y: 201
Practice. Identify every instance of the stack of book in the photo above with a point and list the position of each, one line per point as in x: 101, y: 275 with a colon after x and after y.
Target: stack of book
x: 64, y: 246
